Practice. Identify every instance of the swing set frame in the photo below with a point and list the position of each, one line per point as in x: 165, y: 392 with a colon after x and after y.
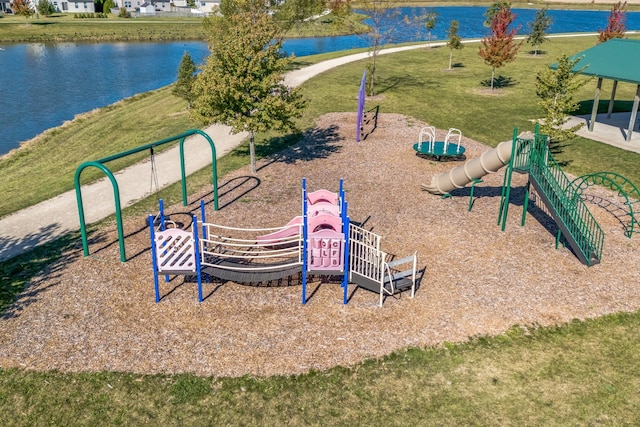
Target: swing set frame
x: 116, y: 191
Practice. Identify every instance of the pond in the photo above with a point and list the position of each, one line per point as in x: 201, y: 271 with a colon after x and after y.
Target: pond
x: 46, y: 84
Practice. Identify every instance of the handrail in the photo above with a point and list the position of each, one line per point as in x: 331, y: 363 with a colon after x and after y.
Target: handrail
x: 571, y: 211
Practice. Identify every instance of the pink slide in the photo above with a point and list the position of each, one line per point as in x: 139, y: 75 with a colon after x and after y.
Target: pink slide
x: 291, y: 229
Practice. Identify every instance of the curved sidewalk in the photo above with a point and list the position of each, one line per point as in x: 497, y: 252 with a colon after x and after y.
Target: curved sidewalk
x: 53, y: 218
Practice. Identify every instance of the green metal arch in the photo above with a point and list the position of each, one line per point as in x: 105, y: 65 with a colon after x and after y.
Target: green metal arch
x: 116, y: 191
x: 616, y: 182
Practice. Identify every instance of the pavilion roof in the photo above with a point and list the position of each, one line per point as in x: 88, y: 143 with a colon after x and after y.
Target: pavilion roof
x: 615, y: 59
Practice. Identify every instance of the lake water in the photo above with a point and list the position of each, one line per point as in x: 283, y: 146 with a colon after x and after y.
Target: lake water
x: 46, y: 84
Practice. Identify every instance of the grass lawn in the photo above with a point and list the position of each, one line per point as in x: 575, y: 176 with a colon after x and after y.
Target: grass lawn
x: 583, y: 373
x: 64, y: 27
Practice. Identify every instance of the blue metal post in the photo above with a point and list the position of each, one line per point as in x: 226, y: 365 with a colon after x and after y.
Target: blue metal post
x: 197, y: 255
x: 161, y: 206
x: 345, y: 277
x: 154, y: 259
x: 202, y: 215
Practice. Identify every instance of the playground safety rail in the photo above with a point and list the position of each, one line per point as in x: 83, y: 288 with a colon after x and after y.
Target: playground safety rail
x: 571, y: 211
x: 216, y: 249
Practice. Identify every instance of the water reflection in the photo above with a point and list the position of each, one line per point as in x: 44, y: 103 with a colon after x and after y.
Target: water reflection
x: 46, y: 84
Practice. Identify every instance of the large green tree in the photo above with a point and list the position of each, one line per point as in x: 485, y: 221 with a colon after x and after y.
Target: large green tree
x: 500, y: 47
x: 241, y: 84
x: 186, y: 77
x: 556, y: 90
x: 539, y: 27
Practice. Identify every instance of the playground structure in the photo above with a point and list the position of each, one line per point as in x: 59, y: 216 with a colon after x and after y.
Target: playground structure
x: 321, y: 242
x: 428, y: 146
x: 529, y: 154
x: 100, y: 164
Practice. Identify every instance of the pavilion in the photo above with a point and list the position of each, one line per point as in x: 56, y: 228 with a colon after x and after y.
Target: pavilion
x: 617, y: 60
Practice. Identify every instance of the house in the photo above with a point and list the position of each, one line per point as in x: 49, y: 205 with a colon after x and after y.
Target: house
x: 5, y: 6
x: 75, y: 6
x: 201, y: 6
x: 147, y: 9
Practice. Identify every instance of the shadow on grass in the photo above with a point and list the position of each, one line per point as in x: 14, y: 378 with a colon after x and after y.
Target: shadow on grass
x: 499, y: 82
x: 619, y: 106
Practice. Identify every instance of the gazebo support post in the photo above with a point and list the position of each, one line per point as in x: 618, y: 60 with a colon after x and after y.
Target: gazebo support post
x: 612, y: 100
x: 634, y: 112
x: 596, y: 101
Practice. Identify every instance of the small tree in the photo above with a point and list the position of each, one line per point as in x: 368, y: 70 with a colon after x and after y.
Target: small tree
x: 556, y: 89
x: 107, y: 6
x: 431, y: 19
x: 616, y: 23
x: 22, y: 8
x: 493, y: 10
x: 539, y: 27
x: 124, y: 13
x: 455, y: 42
x: 46, y: 8
x: 186, y: 77
x: 340, y: 8
x: 500, y: 47
x: 379, y: 11
x: 241, y: 84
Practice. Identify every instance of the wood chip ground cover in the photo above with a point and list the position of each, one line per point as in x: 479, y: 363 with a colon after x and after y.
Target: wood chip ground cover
x: 95, y: 313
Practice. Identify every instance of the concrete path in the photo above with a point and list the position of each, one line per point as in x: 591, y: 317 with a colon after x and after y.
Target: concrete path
x: 53, y: 218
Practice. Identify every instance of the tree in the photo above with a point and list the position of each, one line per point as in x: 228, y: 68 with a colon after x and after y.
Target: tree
x: 186, y: 77
x: 23, y: 8
x: 379, y: 11
x: 500, y: 47
x: 556, y: 89
x: 340, y: 8
x: 107, y: 6
x: 124, y: 13
x: 431, y: 19
x: 291, y: 12
x: 493, y: 10
x: 539, y: 26
x: 455, y: 42
x: 241, y: 84
x: 46, y: 8
x: 616, y: 23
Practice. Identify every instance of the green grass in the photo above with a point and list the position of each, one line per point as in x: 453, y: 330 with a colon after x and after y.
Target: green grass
x: 583, y: 373
x: 64, y: 27
x: 418, y: 83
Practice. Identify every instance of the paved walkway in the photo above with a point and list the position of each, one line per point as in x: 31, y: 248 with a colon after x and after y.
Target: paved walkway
x: 53, y: 218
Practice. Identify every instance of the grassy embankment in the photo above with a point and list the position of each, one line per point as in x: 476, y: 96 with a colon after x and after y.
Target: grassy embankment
x: 64, y: 27
x: 583, y: 373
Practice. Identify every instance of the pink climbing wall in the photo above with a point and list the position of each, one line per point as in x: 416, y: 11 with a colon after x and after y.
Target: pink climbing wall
x: 326, y: 250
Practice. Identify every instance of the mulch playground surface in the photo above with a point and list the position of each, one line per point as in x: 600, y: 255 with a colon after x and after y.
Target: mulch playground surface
x: 95, y: 313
